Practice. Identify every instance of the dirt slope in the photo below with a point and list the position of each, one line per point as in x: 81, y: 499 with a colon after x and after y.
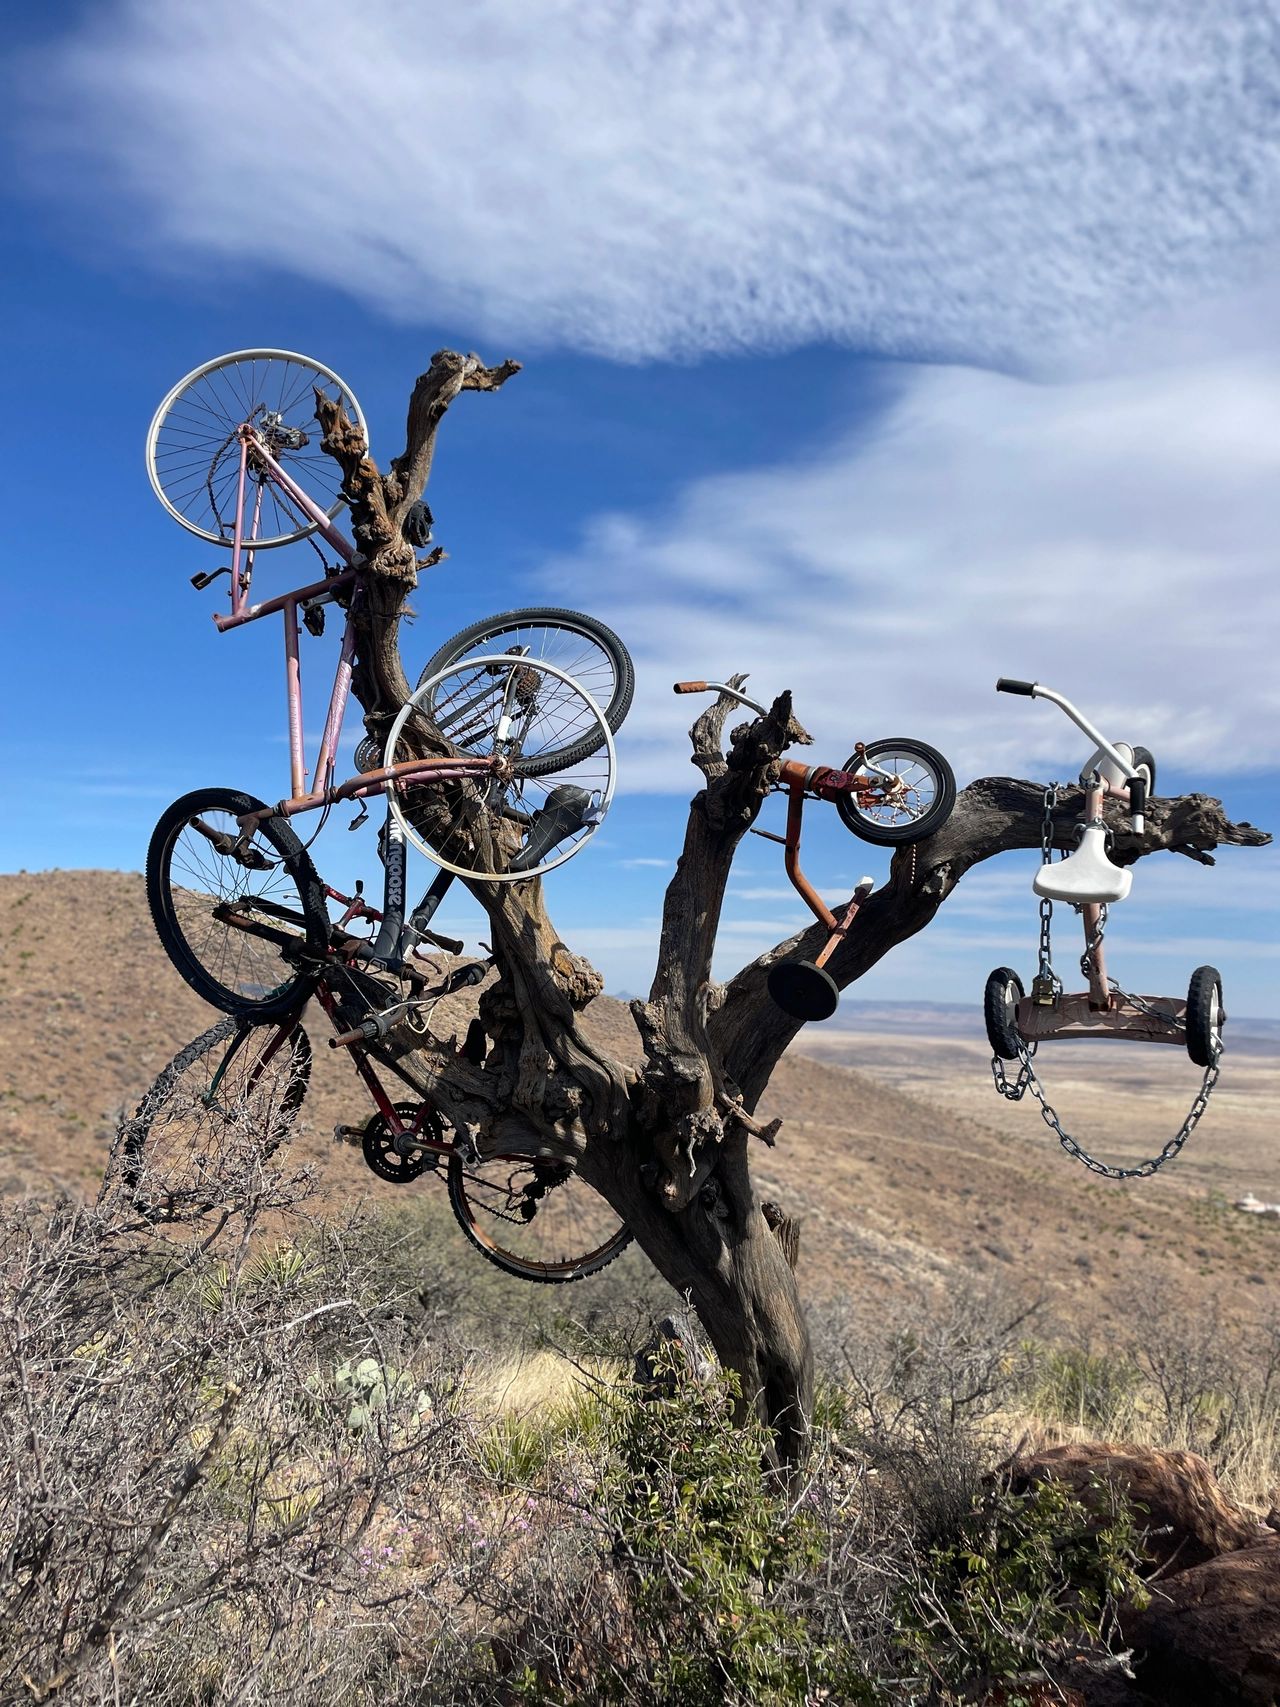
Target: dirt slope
x: 897, y: 1190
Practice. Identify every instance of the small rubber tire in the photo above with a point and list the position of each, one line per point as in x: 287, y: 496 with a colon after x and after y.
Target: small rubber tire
x: 312, y: 912
x: 557, y: 1273
x: 802, y: 990
x: 1144, y: 763
x: 487, y: 636
x: 1000, y: 998
x: 930, y: 820
x: 1206, y: 1016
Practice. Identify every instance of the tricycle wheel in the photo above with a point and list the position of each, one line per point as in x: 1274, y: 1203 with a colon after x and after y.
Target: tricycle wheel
x: 803, y: 990
x: 1206, y: 1016
x: 1145, y: 765
x: 999, y: 1004
x: 919, y: 803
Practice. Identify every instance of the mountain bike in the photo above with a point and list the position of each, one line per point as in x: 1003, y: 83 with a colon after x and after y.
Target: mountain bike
x: 205, y: 1134
x: 1089, y: 881
x: 525, y: 703
x: 891, y: 792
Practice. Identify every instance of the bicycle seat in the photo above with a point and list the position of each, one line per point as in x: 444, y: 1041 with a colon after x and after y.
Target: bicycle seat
x: 1085, y: 875
x: 568, y: 809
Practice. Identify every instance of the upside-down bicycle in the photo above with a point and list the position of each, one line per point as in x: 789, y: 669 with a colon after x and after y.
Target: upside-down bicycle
x: 891, y: 792
x: 215, y: 1117
x: 1088, y: 880
x: 525, y: 705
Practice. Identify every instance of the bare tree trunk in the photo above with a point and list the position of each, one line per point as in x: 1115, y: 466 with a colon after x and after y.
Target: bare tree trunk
x: 668, y: 1146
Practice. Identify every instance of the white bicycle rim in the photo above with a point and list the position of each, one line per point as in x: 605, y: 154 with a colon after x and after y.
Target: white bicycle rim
x: 158, y: 419
x: 424, y: 847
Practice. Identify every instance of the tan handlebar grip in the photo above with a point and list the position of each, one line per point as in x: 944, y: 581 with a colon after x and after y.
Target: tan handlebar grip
x: 344, y: 1039
x: 690, y: 687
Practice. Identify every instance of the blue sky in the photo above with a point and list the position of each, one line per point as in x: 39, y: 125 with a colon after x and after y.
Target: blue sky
x: 875, y: 356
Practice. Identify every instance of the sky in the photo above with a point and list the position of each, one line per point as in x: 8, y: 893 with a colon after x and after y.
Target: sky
x: 876, y: 352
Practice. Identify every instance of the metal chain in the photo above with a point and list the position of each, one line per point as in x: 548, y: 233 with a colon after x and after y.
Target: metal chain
x: 1027, y: 1080
x: 1045, y: 969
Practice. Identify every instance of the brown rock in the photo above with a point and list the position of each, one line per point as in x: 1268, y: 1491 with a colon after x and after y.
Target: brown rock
x: 1188, y: 1518
x: 1211, y: 1635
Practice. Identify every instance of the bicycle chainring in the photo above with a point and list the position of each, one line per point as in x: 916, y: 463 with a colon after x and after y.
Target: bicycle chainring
x: 379, y: 1145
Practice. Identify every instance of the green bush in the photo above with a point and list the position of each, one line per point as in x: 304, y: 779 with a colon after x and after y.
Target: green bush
x: 710, y: 1552
x: 1028, y: 1580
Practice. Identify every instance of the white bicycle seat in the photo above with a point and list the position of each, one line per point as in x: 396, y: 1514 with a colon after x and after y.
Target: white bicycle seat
x: 1085, y: 875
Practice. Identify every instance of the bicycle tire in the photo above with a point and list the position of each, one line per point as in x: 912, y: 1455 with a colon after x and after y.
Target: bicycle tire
x: 199, y: 946
x: 611, y: 681
x: 526, y: 1267
x: 461, y: 826
x: 930, y: 819
x: 199, y: 417
x: 226, y: 1102
x: 1000, y: 997
x: 1206, y: 1016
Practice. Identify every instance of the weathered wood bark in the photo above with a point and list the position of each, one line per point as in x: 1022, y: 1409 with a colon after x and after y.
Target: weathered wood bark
x: 668, y: 1146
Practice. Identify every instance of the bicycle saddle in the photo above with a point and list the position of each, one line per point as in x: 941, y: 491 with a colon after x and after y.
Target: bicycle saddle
x: 567, y: 810
x: 1085, y: 875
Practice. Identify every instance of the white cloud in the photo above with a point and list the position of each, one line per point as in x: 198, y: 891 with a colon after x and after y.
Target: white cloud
x: 1114, y: 539
x: 955, y: 178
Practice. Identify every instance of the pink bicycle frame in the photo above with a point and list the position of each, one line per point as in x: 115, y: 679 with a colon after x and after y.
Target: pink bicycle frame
x: 321, y: 790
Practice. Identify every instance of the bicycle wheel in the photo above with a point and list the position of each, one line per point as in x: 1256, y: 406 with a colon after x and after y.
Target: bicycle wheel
x: 890, y: 815
x: 214, y: 1116
x: 536, y: 1219
x: 578, y: 645
x: 266, y: 888
x: 193, y: 454
x: 516, y: 709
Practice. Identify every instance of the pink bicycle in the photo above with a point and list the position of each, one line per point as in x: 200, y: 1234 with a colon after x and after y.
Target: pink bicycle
x: 527, y: 703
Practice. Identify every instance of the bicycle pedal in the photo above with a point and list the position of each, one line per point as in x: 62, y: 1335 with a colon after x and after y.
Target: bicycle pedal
x: 348, y: 1134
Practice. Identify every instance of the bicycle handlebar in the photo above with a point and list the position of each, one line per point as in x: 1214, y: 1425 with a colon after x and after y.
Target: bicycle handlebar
x: 1006, y: 684
x: 720, y: 687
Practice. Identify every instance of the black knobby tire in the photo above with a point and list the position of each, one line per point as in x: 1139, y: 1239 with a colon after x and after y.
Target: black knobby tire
x: 610, y: 679
x: 476, y: 1222
x: 1206, y: 1016
x: 231, y: 1094
x: 937, y: 795
x: 1002, y: 994
x: 235, y: 970
x: 1144, y: 761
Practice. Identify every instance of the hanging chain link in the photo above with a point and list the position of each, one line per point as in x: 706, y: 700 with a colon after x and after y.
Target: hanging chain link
x: 1046, y: 905
x: 1027, y: 1081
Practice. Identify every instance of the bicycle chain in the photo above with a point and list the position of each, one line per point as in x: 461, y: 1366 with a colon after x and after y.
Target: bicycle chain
x: 1027, y: 1080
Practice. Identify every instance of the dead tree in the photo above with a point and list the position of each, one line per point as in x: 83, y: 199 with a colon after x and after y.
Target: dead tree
x: 669, y: 1146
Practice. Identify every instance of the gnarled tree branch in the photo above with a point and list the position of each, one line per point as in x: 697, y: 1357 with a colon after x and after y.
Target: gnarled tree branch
x: 668, y: 1145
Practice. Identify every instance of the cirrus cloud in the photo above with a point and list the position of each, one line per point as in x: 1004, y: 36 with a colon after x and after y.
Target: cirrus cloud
x: 955, y: 179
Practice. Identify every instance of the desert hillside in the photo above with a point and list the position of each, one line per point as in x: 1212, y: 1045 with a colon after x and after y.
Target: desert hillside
x: 908, y: 1171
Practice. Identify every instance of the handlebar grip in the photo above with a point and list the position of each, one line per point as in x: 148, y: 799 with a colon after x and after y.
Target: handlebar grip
x: 690, y: 687
x: 1006, y: 684
x: 345, y: 1038
x: 450, y: 944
